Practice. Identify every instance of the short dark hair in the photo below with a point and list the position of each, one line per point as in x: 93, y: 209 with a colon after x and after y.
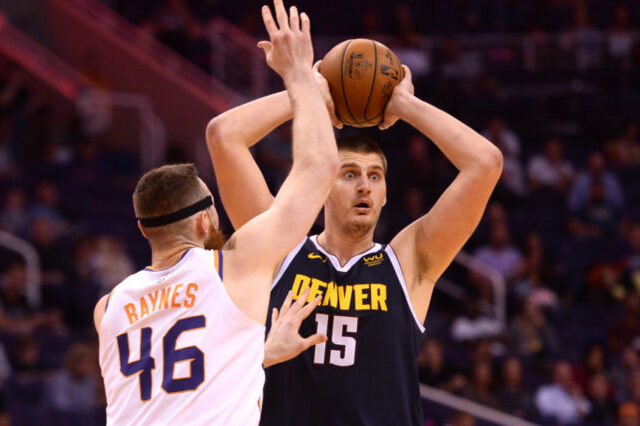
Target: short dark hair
x: 167, y: 189
x: 362, y: 144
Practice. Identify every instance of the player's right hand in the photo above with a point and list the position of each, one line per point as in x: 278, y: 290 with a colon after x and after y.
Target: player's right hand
x: 284, y: 342
x: 290, y: 51
x: 326, y: 95
x: 394, y: 110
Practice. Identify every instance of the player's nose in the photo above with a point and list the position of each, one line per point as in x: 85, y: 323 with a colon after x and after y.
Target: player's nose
x: 364, y: 186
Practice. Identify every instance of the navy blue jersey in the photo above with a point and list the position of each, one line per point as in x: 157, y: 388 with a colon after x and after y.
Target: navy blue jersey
x: 366, y: 373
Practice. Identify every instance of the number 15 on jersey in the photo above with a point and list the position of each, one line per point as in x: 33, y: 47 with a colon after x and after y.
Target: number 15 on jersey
x: 342, y: 324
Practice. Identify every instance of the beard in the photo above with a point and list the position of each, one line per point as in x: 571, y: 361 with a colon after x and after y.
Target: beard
x: 215, y: 239
x: 358, y: 228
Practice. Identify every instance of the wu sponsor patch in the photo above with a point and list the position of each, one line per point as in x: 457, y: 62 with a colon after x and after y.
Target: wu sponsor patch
x: 373, y: 260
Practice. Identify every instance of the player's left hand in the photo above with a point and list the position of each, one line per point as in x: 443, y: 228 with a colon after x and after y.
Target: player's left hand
x: 284, y: 342
x: 393, y: 111
x: 323, y: 85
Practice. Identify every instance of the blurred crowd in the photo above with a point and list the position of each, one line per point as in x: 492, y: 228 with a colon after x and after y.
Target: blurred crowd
x: 58, y: 190
x: 562, y: 229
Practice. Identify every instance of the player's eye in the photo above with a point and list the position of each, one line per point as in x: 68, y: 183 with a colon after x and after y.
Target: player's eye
x: 374, y: 177
x: 349, y: 175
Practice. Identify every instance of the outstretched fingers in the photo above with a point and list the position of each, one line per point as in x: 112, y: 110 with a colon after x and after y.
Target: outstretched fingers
x: 308, y: 308
x: 281, y: 14
x: 305, y: 23
x: 286, y: 305
x: 297, y: 306
x: 269, y: 23
x: 314, y: 339
x: 294, y: 19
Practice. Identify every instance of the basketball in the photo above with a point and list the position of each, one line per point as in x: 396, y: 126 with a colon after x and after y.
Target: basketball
x: 361, y: 74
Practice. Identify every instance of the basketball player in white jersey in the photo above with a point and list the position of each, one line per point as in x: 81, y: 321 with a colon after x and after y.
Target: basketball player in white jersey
x: 182, y: 341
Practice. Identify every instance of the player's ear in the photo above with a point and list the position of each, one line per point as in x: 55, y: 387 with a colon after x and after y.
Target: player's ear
x: 203, y: 222
x: 142, y: 230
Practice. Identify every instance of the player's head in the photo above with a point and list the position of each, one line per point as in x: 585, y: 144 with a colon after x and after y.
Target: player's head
x: 360, y: 190
x: 173, y: 204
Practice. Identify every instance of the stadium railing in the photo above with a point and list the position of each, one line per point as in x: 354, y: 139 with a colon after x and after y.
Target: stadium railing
x: 32, y: 263
x: 125, y: 58
x: 72, y: 92
x: 480, y: 411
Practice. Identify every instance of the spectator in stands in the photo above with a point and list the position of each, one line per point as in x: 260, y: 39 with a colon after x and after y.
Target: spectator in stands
x: 72, y: 391
x: 456, y: 64
x: 620, y: 38
x: 603, y: 409
x: 550, y: 170
x: 423, y: 168
x: 8, y: 159
x: 85, y: 286
x: 505, y: 139
x: 407, y: 45
x: 562, y: 400
x: 27, y: 386
x: 472, y: 325
x: 583, y: 39
x: 531, y: 336
x: 531, y: 286
x: 514, y: 397
x: 628, y: 414
x: 47, y: 204
x: 500, y: 254
x: 628, y: 364
x: 111, y: 261
x: 480, y: 386
x: 462, y: 419
x: 607, y: 187
x: 18, y: 317
x: 54, y: 260
x: 593, y: 363
x: 175, y: 25
x: 14, y: 217
x: 480, y: 389
x: 630, y: 142
x: 633, y: 388
x: 597, y: 213
x: 417, y: 163
x: 625, y: 328
x: 435, y: 370
x: 413, y: 205
x: 624, y: 151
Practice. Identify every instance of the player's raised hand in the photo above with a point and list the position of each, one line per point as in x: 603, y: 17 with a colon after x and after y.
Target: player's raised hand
x: 284, y: 342
x: 289, y: 50
x: 326, y: 95
x: 394, y: 110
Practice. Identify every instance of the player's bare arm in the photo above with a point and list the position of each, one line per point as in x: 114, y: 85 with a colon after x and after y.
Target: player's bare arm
x: 98, y: 311
x: 256, y: 248
x: 242, y: 187
x: 426, y: 247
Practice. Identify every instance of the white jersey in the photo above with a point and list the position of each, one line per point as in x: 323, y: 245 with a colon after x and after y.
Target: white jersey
x: 175, y: 349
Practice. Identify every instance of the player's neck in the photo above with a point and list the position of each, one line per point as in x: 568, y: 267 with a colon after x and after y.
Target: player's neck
x: 169, y: 254
x: 345, y: 246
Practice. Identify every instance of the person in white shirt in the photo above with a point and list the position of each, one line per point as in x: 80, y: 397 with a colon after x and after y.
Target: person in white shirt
x: 563, y: 399
x: 550, y: 169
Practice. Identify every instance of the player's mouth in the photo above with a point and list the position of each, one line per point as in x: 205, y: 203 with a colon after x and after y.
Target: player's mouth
x: 362, y: 206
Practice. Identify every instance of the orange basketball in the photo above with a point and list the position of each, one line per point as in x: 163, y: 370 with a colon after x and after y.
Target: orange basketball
x: 361, y: 74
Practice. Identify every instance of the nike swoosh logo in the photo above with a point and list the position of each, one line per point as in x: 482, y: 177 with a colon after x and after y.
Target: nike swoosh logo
x: 316, y: 256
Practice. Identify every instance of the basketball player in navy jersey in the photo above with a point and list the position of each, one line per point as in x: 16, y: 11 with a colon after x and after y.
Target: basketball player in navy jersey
x: 374, y: 297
